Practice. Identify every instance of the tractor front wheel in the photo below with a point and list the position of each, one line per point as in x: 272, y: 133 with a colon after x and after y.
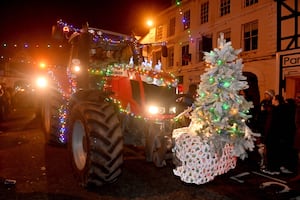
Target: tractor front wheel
x: 95, y: 143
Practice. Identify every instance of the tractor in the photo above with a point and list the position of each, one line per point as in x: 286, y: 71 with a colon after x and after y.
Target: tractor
x: 107, y: 97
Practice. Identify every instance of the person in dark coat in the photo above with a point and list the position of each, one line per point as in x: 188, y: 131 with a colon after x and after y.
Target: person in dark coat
x: 265, y: 113
x: 279, y: 140
x: 274, y: 136
x: 263, y: 124
x: 290, y: 155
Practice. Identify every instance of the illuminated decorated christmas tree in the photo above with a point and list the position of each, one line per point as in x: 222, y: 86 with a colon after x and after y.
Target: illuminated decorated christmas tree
x: 218, y: 133
x: 221, y: 113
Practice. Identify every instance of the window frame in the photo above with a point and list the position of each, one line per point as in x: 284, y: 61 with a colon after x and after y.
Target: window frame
x: 186, y: 19
x: 248, y: 3
x: 159, y: 32
x: 224, y: 7
x: 250, y: 41
x: 172, y: 26
x: 170, y: 60
x: 185, y: 49
x: 204, y: 12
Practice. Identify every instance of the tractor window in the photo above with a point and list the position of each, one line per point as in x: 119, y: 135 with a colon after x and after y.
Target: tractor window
x: 107, y: 55
x: 154, y: 93
x: 136, y: 94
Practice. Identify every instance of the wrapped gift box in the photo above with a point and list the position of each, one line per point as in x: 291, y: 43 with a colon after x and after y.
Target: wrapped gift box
x: 198, y: 164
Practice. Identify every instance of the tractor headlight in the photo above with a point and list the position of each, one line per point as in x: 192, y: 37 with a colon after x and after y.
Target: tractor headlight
x: 76, y: 69
x: 41, y: 82
x: 153, y: 110
x: 172, y: 110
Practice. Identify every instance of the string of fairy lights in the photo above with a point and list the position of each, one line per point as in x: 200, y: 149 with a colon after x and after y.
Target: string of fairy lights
x: 185, y: 20
x: 160, y: 78
x: 98, y: 35
x: 10, y: 49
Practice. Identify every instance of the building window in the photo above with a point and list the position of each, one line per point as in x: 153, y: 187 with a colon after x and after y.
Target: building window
x: 186, y: 20
x: 204, y: 13
x: 227, y: 34
x: 249, y: 2
x: 224, y: 7
x: 172, y: 26
x: 204, y: 45
x: 185, y: 55
x: 159, y: 32
x: 180, y: 89
x: 156, y: 58
x: 170, y: 57
x: 251, y: 36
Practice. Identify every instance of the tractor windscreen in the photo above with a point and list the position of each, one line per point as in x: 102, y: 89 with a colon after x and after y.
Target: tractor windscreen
x: 110, y: 49
x: 159, y: 94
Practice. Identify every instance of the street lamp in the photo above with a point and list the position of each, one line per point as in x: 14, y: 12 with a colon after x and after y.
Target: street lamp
x: 149, y: 23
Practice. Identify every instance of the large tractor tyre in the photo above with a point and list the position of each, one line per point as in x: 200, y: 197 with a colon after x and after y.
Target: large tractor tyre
x: 95, y: 143
x: 155, y: 148
x: 52, y: 105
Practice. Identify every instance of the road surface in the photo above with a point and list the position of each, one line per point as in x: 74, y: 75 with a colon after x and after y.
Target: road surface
x: 43, y: 172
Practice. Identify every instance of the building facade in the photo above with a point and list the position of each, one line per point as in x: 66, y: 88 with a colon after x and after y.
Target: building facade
x: 190, y: 27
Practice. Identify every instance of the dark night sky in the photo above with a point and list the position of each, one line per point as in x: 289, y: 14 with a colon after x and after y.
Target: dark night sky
x: 32, y: 20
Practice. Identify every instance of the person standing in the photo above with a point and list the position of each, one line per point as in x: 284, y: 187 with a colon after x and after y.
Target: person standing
x: 290, y: 155
x: 265, y: 112
x: 263, y: 124
x: 252, y: 121
x: 279, y: 138
x: 186, y: 102
x: 274, y: 136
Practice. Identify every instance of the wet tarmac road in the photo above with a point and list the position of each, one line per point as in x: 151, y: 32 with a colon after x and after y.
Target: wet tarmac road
x: 43, y: 172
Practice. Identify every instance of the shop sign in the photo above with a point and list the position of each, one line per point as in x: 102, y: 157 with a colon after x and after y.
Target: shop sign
x: 291, y: 60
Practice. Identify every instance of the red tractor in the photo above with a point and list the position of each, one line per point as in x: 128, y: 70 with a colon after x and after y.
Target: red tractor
x: 105, y: 98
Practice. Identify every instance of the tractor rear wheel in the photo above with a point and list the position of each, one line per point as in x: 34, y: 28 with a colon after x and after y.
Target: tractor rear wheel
x: 95, y: 143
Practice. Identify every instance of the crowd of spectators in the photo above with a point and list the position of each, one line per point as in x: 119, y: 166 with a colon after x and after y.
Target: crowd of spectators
x: 276, y: 123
